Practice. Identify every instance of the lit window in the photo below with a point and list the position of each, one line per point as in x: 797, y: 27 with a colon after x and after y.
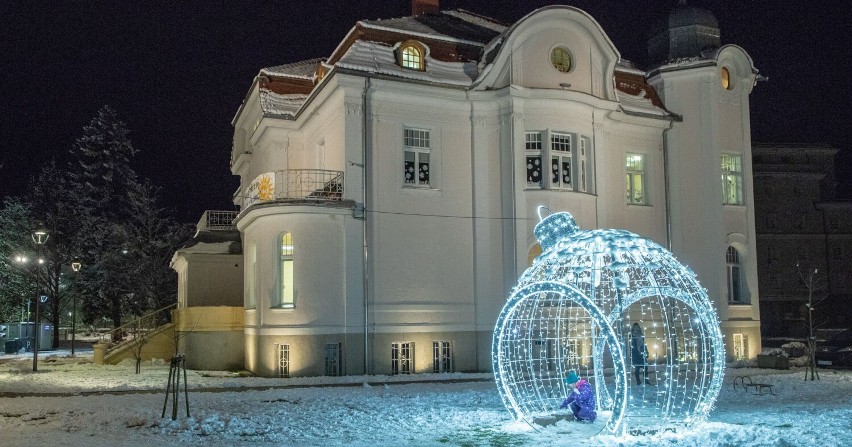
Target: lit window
x: 732, y: 179
x: 286, y: 271
x: 533, y: 146
x: 417, y: 151
x: 332, y: 359
x: 560, y: 58
x: 725, y: 78
x: 560, y: 160
x: 412, y: 57
x: 740, y: 346
x: 442, y: 358
x: 572, y: 353
x: 283, y: 361
x: 402, y: 358
x: 734, y: 276
x: 634, y: 178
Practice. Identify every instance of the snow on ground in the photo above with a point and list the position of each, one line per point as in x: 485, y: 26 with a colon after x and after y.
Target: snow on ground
x: 69, y: 401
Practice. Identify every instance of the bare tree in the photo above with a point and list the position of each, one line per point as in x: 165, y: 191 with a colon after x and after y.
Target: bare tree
x: 813, y: 281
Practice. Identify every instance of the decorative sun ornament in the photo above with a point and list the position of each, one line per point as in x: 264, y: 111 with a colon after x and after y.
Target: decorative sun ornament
x: 573, y: 309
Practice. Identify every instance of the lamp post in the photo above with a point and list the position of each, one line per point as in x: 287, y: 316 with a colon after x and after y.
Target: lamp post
x: 75, y: 265
x: 39, y: 236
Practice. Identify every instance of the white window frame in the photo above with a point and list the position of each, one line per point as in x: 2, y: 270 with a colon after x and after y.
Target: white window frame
x: 572, y: 352
x: 740, y: 346
x: 283, y: 367
x: 544, y: 353
x: 631, y: 170
x: 583, y: 164
x: 412, y: 57
x: 332, y: 359
x: 533, y: 151
x: 734, y: 276
x: 732, y: 179
x: 402, y: 357
x: 558, y: 148
x: 442, y: 356
x: 417, y: 144
x: 286, y: 272
x: 565, y: 153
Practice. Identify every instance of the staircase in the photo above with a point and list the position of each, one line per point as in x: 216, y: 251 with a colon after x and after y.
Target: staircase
x: 145, y: 334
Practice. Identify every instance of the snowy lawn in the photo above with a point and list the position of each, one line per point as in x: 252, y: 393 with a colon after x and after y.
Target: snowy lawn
x: 71, y: 402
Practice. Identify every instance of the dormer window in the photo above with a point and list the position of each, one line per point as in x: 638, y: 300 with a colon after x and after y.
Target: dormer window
x: 412, y: 56
x: 561, y: 59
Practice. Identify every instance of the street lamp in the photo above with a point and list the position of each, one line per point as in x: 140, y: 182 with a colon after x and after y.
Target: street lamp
x: 40, y: 236
x: 75, y: 265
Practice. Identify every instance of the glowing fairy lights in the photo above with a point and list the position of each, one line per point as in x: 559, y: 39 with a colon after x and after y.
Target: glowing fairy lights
x: 574, y: 309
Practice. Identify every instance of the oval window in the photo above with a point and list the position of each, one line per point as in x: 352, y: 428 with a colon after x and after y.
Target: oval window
x: 560, y: 58
x: 725, y: 76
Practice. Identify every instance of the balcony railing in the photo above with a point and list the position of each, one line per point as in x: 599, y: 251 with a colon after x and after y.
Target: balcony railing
x: 213, y: 220
x: 295, y: 185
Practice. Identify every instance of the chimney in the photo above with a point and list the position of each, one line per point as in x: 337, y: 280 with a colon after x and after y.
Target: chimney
x: 419, y: 7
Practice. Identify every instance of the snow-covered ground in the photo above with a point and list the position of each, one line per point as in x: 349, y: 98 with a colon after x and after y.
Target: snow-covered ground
x: 72, y: 402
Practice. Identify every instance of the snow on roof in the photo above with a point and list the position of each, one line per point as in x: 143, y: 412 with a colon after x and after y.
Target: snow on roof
x: 377, y: 58
x: 212, y: 248
x: 627, y: 66
x: 281, y: 105
x: 639, y: 103
x: 476, y: 19
x: 302, y: 69
x: 459, y: 26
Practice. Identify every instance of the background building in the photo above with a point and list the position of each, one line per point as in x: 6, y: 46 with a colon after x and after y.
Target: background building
x: 801, y: 226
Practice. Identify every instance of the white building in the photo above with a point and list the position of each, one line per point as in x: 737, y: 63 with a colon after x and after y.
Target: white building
x: 388, y: 193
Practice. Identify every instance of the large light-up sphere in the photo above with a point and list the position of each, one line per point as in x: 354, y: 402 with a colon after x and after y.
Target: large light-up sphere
x: 574, y: 309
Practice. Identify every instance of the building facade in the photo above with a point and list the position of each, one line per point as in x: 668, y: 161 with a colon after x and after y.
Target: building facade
x: 388, y: 192
x: 802, y: 227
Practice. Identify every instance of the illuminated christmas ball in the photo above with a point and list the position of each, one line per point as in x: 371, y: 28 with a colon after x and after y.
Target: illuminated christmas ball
x: 622, y: 312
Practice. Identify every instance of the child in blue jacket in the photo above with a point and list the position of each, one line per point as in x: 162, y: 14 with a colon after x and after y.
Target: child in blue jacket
x: 582, y: 398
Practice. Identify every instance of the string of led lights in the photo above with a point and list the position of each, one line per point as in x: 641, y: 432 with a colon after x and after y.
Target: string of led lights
x: 573, y: 309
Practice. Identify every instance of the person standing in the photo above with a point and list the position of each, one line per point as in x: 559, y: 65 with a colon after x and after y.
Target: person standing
x: 639, y: 354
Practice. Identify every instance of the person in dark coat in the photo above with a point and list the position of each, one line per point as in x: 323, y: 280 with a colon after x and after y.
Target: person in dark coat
x: 639, y: 354
x: 581, y: 400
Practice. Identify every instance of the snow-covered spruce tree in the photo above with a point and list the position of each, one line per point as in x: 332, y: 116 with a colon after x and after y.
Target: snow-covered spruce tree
x: 101, y: 180
x: 52, y: 205
x: 16, y: 286
x: 153, y: 237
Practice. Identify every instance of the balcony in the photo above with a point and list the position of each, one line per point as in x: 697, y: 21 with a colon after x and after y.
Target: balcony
x: 213, y: 220
x: 313, y: 186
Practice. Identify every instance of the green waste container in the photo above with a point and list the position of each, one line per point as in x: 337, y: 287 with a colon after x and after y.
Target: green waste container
x: 11, y: 346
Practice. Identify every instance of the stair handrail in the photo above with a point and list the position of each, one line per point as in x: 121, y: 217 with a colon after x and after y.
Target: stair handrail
x: 135, y: 323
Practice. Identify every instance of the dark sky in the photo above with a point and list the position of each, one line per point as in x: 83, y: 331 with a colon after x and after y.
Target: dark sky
x: 176, y: 72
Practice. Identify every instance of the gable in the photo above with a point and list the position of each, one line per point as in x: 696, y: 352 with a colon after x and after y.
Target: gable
x: 526, y: 49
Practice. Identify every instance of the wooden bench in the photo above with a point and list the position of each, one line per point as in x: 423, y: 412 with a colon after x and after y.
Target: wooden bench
x: 746, y: 382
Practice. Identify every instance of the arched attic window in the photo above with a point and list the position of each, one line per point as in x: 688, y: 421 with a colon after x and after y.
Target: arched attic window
x: 412, y: 55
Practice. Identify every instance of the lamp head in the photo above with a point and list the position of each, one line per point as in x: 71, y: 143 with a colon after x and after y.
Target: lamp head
x: 40, y: 235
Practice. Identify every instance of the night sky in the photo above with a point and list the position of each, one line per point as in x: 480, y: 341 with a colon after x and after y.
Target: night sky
x: 176, y: 72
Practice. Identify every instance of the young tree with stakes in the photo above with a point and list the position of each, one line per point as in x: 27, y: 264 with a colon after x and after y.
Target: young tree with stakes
x: 812, y: 281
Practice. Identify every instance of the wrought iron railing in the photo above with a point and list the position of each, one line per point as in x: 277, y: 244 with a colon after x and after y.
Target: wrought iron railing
x: 296, y: 185
x: 213, y: 220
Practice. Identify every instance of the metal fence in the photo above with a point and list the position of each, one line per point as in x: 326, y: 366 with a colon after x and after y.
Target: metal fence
x: 213, y: 220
